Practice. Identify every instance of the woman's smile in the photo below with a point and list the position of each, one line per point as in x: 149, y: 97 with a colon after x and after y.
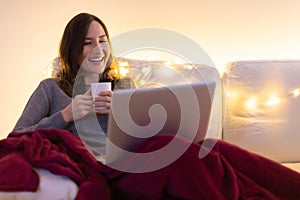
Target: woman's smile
x: 95, y: 59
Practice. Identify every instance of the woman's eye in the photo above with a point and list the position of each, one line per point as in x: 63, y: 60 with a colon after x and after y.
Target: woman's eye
x: 95, y: 43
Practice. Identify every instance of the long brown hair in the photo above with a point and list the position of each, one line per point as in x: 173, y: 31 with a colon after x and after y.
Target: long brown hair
x: 71, y: 48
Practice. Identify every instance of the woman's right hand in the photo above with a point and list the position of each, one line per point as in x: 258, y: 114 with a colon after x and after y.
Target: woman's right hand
x: 80, y: 106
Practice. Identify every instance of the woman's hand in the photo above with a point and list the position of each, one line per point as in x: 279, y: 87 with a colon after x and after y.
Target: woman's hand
x: 102, y: 102
x: 80, y: 106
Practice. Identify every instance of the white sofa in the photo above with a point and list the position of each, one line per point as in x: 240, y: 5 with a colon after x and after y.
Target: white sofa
x: 261, y: 108
x: 256, y: 104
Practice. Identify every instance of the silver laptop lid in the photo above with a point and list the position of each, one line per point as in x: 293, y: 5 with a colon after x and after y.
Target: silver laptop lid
x: 137, y: 114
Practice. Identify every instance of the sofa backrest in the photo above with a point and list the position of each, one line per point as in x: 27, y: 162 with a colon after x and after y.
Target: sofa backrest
x: 164, y: 73
x: 262, y: 107
x: 159, y: 73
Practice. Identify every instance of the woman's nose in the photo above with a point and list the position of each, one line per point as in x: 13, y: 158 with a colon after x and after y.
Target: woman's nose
x: 98, y: 49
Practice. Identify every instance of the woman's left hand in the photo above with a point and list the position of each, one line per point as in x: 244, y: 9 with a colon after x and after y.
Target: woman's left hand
x: 102, y: 102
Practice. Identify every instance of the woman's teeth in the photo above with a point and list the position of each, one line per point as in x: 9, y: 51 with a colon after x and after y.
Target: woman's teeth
x: 95, y: 59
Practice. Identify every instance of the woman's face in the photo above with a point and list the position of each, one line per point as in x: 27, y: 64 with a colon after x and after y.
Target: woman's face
x: 96, y: 50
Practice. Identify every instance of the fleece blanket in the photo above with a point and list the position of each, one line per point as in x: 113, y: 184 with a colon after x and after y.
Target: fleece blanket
x: 227, y: 172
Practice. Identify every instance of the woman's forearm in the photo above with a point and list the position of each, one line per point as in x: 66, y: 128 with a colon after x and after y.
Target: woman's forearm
x: 54, y: 121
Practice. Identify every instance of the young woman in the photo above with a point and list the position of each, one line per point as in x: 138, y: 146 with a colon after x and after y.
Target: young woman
x: 65, y: 102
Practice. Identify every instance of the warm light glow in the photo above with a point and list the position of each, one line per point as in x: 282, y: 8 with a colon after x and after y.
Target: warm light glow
x: 168, y: 63
x: 273, y: 101
x: 296, y: 92
x: 190, y: 67
x: 142, y: 82
x: 123, y: 71
x: 123, y: 64
x: 251, y: 103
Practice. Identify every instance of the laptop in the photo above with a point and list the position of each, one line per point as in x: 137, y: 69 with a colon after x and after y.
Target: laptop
x: 138, y: 114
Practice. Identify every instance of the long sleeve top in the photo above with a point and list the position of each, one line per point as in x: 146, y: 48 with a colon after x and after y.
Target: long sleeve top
x: 43, y: 111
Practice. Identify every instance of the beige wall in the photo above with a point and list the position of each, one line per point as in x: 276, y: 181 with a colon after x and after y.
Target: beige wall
x: 227, y: 29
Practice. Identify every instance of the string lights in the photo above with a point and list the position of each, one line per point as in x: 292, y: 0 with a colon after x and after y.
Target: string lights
x: 143, y: 72
x: 272, y: 100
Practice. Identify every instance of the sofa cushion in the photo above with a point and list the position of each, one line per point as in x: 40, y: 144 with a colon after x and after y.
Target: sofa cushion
x: 262, y: 107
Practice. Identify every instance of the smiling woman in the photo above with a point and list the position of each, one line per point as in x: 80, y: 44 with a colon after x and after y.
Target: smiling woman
x: 65, y: 102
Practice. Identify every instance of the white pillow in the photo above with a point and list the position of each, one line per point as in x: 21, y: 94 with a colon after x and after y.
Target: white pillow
x: 261, y: 112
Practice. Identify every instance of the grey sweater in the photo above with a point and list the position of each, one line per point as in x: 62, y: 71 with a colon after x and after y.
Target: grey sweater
x: 43, y: 111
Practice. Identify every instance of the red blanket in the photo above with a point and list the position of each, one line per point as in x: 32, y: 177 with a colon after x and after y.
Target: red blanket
x: 58, y: 151
x: 227, y: 172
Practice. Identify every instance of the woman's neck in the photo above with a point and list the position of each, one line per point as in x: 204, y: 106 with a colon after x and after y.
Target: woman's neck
x: 91, y: 78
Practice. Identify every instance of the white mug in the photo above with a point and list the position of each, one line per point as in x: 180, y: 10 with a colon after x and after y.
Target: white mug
x: 98, y: 87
